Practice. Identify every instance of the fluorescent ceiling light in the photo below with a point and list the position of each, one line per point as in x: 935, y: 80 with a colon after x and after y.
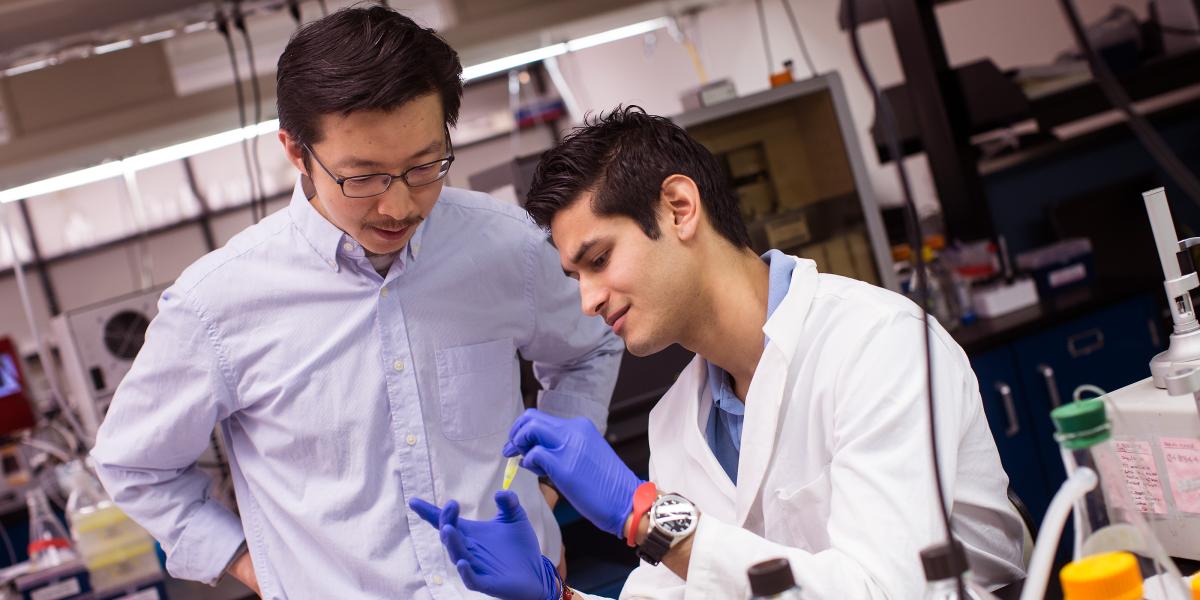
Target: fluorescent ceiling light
x: 154, y: 37
x: 500, y: 65
x: 27, y: 67
x: 136, y: 163
x: 113, y: 47
x: 619, y: 33
x: 227, y: 138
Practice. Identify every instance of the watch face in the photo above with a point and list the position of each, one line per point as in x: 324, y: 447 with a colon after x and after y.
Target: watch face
x: 675, y: 515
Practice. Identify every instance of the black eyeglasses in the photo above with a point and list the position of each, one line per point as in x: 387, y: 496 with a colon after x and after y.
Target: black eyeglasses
x: 374, y: 184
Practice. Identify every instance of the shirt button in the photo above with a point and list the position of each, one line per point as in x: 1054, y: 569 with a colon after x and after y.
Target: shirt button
x: 411, y: 439
x: 398, y: 365
x: 347, y: 246
x: 332, y: 264
x: 383, y: 292
x: 437, y: 580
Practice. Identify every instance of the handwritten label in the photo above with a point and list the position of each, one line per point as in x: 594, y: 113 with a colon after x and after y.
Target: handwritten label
x: 1182, y: 456
x: 1141, y: 477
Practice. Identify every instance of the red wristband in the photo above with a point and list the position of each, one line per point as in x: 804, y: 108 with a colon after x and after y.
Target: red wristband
x: 643, y: 498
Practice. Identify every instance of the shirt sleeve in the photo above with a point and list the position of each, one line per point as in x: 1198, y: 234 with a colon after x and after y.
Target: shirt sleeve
x: 160, y: 421
x: 575, y: 357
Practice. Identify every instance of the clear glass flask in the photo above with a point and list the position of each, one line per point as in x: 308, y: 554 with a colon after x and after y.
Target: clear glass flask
x: 49, y: 544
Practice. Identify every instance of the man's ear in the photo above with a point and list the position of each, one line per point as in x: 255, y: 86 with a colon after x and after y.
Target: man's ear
x: 293, y: 150
x: 680, y: 201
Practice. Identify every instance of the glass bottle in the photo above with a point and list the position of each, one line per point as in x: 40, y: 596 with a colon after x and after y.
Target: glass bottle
x: 773, y: 580
x: 944, y: 567
x: 1106, y: 519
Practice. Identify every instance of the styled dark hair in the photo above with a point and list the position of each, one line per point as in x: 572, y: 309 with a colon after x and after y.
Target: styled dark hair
x: 622, y: 158
x: 362, y: 58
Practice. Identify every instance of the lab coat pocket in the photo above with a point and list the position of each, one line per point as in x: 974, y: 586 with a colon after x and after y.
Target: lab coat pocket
x: 800, y: 515
x: 476, y: 388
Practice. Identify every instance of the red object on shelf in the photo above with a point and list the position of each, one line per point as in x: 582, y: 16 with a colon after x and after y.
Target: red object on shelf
x: 16, y: 408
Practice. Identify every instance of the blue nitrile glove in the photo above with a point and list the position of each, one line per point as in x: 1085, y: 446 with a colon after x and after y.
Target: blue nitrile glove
x: 500, y: 557
x: 579, y: 462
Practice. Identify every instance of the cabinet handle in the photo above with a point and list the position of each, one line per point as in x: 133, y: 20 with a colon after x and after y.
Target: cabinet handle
x: 1051, y: 385
x: 1083, y: 344
x: 1010, y: 409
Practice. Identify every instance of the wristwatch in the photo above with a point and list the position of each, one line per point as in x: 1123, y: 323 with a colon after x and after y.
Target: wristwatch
x: 672, y: 519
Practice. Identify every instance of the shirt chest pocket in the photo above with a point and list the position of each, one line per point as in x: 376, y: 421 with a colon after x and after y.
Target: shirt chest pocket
x: 477, y: 389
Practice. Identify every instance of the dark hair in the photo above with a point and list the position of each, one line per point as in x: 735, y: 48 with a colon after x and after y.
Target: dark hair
x: 362, y: 58
x: 622, y: 158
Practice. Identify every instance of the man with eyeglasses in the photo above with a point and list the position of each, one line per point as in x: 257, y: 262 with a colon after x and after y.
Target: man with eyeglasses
x: 357, y: 349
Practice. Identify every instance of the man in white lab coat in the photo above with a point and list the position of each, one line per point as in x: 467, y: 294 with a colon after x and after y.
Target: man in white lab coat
x: 799, y: 430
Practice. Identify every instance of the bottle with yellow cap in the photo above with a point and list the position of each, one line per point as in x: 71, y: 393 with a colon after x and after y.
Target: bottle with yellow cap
x: 1108, y: 576
x: 1196, y: 586
x: 1106, y: 520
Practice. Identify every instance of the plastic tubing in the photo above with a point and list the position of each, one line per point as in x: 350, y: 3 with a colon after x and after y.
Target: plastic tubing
x: 1082, y: 481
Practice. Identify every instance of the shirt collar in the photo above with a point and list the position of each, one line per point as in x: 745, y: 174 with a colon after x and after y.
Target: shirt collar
x: 328, y: 241
x: 324, y: 237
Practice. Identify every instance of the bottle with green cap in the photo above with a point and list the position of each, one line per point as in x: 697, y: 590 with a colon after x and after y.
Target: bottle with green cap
x: 1106, y: 519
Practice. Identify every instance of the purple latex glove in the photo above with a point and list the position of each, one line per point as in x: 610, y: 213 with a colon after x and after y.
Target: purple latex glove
x: 579, y: 462
x: 500, y: 557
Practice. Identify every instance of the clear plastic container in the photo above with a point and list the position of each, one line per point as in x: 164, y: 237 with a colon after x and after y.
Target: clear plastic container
x: 115, y: 548
x: 944, y: 565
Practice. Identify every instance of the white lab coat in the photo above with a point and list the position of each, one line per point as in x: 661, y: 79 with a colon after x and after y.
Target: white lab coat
x: 835, y: 470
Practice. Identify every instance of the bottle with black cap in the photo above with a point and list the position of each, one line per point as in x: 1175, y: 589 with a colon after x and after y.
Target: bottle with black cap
x: 773, y: 580
x: 944, y: 566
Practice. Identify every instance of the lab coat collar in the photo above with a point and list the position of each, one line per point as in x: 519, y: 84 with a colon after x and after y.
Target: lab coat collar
x: 765, y: 398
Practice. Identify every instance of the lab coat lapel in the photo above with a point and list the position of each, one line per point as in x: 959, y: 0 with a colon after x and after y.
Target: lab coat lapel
x: 766, y: 394
x: 695, y: 439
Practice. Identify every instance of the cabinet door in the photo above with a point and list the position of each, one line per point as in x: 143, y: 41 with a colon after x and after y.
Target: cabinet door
x: 1110, y: 348
x: 1008, y: 416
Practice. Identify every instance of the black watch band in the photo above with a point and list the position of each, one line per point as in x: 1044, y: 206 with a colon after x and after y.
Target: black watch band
x: 655, y: 547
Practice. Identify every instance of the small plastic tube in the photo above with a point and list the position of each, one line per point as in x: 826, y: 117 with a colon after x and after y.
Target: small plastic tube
x: 510, y: 471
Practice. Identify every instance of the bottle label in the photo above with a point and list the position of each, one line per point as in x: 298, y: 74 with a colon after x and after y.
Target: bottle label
x: 1140, y: 473
x: 1182, y: 457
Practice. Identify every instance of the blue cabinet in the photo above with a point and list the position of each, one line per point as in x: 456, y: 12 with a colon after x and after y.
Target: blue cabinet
x: 1021, y: 382
x: 1008, y: 415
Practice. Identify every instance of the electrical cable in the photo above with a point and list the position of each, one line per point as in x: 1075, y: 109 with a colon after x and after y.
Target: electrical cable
x: 294, y: 10
x: 43, y: 349
x: 1146, y: 134
x: 887, y: 122
x: 223, y: 28
x: 239, y: 22
x: 812, y: 67
x: 762, y: 24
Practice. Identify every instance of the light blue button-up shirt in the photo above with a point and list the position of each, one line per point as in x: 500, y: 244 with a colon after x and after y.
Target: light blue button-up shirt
x: 725, y: 420
x: 341, y: 394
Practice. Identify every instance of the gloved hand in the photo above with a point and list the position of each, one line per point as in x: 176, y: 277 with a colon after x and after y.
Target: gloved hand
x: 579, y: 462
x: 500, y: 557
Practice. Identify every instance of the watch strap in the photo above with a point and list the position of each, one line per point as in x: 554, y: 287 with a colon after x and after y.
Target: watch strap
x: 655, y: 547
x: 643, y: 499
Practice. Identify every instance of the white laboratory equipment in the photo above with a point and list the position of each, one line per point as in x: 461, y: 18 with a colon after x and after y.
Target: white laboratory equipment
x: 98, y: 344
x: 1156, y: 423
